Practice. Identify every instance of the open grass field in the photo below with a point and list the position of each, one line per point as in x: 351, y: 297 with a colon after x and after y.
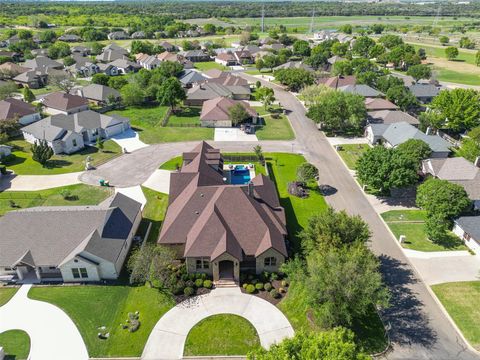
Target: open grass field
x: 80, y: 194
x: 6, y: 294
x: 411, y: 223
x: 91, y: 307
x: 224, y: 334
x: 350, y: 153
x: 16, y: 344
x: 185, y: 116
x: 23, y: 164
x: 461, y: 301
x: 209, y: 65
x: 274, y: 129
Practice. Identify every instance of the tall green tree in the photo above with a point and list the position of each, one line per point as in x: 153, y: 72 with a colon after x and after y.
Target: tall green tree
x: 301, y: 48
x: 415, y: 148
x: 420, y: 72
x: 451, y: 53
x: 266, y: 96
x: 363, y: 45
x: 171, y: 92
x: 132, y: 94
x: 41, y: 152
x: 294, y: 79
x: 402, y: 97
x: 307, y: 172
x: 28, y: 95
x: 238, y: 114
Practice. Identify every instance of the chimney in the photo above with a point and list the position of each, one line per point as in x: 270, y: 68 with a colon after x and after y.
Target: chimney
x: 477, y: 161
x: 250, y: 189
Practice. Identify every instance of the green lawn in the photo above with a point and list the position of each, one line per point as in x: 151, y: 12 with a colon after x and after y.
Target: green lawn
x: 351, y: 152
x: 224, y: 334
x: 91, y: 307
x: 16, y: 344
x: 457, y: 77
x: 6, y: 293
x: 274, y: 129
x: 258, y: 72
x: 186, y: 115
x: 154, y: 212
x: 461, y: 301
x: 411, y: 224
x: 80, y: 195
x: 172, y: 164
x: 147, y: 121
x: 208, y: 65
x: 23, y: 164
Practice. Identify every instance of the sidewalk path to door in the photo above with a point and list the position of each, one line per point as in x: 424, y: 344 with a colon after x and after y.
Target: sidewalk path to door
x: 53, y: 335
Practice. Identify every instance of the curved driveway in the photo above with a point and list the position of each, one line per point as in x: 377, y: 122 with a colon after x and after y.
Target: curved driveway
x: 167, y: 340
x: 53, y: 335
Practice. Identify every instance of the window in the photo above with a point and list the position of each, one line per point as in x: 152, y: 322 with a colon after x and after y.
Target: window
x: 75, y: 273
x: 202, y: 264
x: 52, y: 267
x: 83, y: 273
x: 270, y: 261
x: 74, y: 143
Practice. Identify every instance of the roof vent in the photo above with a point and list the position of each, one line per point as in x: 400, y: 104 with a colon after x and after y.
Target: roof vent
x: 197, y: 212
x: 202, y: 195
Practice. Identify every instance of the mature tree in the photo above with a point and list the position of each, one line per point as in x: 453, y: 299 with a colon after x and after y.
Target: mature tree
x: 340, y: 49
x: 403, y: 56
x: 101, y: 79
x: 459, y: 109
x: 376, y: 51
x: 314, y: 93
x: 368, y: 78
x: 132, y: 94
x: 149, y: 263
x: 41, y: 152
x: 339, y: 112
x: 259, y: 64
x: 47, y: 36
x: 270, y: 61
x: 59, y: 50
x: 386, y: 82
x: 343, y: 284
x: 9, y: 127
x: 347, y: 29
x: 444, y: 39
x: 117, y: 82
x: 416, y: 148
x: 68, y: 61
x: 8, y: 90
x: 338, y: 343
x: 318, y: 60
x: 266, y: 95
x: 301, y: 48
x: 238, y: 114
x: 294, y: 79
x: 171, y: 92
x: 62, y: 80
x: 422, y: 54
x: 342, y: 68
x: 307, y: 172
x: 333, y: 229
x: 451, y: 52
x: 362, y: 46
x: 402, y: 97
x: 383, y: 169
x: 28, y: 95
x: 470, y: 145
x: 420, y: 72
x: 96, y: 48
x: 390, y: 41
x: 467, y: 43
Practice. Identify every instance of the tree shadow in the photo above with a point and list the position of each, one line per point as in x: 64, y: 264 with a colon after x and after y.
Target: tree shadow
x: 52, y: 164
x: 449, y: 241
x: 405, y: 319
x: 13, y: 160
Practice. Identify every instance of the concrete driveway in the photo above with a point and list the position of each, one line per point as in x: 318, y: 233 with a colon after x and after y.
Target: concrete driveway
x: 167, y: 340
x: 233, y: 134
x: 37, y: 182
x: 129, y: 140
x: 53, y: 335
x: 159, y: 181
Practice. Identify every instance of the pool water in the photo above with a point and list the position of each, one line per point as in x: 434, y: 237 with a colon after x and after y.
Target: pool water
x: 240, y: 175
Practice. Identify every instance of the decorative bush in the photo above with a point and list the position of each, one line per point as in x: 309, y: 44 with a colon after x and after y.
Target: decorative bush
x: 188, y: 291
x: 192, y: 276
x: 185, y: 277
x: 284, y: 283
x: 274, y: 293
x: 273, y: 276
x: 66, y: 194
x: 245, y: 285
x: 203, y: 276
x: 190, y: 283
x: 254, y: 281
x: 259, y: 286
x: 250, y: 289
x: 265, y: 276
x: 199, y: 283
x: 267, y: 286
x: 282, y: 290
x: 198, y: 275
x: 207, y: 284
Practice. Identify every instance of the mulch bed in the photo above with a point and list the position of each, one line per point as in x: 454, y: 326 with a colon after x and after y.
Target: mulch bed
x: 265, y: 295
x: 200, y: 291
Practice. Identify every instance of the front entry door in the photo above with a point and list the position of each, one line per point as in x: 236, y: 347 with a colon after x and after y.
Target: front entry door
x: 226, y: 270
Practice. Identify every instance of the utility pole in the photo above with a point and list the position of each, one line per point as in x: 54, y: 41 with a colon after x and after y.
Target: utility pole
x: 311, y: 21
x: 263, y: 18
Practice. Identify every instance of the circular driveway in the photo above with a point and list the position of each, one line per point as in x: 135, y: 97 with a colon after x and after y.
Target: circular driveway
x: 167, y: 340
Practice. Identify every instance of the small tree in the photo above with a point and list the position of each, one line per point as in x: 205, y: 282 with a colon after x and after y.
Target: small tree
x: 307, y: 172
x: 266, y: 95
x: 257, y: 149
x: 99, y: 143
x: 419, y: 72
x: 41, y: 152
x: 444, y: 40
x: 451, y: 53
x: 28, y: 94
x: 64, y: 81
x: 237, y: 114
x: 477, y: 58
x: 101, y: 79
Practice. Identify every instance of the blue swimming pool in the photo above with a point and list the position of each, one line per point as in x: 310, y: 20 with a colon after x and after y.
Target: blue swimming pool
x: 239, y: 175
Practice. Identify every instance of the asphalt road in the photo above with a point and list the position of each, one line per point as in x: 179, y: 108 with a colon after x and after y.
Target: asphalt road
x: 418, y: 328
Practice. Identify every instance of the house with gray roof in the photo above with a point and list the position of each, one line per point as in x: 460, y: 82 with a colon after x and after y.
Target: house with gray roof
x: 99, y: 94
x: 83, y: 66
x: 424, y: 92
x: 467, y: 228
x: 198, y: 94
x: 34, y: 79
x: 70, y: 38
x: 190, y: 77
x: 110, y: 55
x: 196, y: 55
x: 68, y: 243
x: 362, y: 90
x: 392, y: 135
x: 70, y: 133
x: 391, y: 117
x: 294, y: 65
x: 125, y: 66
x: 42, y: 62
x: 117, y: 35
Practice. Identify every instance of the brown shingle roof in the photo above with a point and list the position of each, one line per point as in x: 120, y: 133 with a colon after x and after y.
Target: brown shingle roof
x: 335, y: 82
x: 374, y: 104
x: 218, y: 109
x: 11, y: 108
x: 64, y: 102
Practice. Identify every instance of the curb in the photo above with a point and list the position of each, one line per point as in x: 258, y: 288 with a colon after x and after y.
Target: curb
x: 429, y: 289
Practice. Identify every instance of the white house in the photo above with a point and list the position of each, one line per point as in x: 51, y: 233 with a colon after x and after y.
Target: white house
x: 467, y: 228
x: 62, y: 103
x: 11, y: 109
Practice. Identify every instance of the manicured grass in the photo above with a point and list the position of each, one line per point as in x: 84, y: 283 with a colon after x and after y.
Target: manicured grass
x: 16, y: 344
x: 274, y: 129
x: 457, y: 77
x: 186, y: 115
x: 91, y: 307
x: 350, y: 153
x: 23, y: 164
x: 258, y: 72
x: 172, y: 163
x: 208, y: 65
x: 148, y: 120
x: 411, y: 224
x: 224, y: 334
x: 461, y: 301
x: 154, y: 212
x: 6, y: 294
x: 80, y: 195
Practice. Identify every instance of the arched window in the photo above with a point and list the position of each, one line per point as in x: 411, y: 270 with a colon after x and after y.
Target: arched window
x: 270, y: 261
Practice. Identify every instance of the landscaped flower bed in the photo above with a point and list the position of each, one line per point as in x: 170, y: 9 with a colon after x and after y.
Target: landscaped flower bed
x: 188, y: 285
x: 271, y: 287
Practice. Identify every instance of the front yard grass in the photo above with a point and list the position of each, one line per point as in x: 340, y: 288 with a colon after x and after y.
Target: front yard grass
x: 411, y: 223
x: 185, y: 116
x: 274, y: 129
x: 208, y: 65
x: 172, y: 163
x: 350, y: 153
x: 153, y: 212
x: 224, y: 334
x: 148, y: 122
x: 91, y: 307
x: 461, y: 301
x: 16, y: 344
x: 6, y: 293
x: 23, y: 164
x: 80, y: 195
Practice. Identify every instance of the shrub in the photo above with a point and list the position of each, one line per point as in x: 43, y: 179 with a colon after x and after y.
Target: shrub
x: 185, y: 277
x: 198, y: 275
x: 254, y: 281
x: 250, y: 277
x: 188, y: 291
x: 274, y: 293
x: 284, y: 283
x: 199, y: 283
x: 3, y: 170
x: 203, y: 276
x: 207, y: 284
x: 191, y: 276
x: 250, y: 289
x: 245, y: 285
x: 66, y: 194
x: 282, y: 290
x: 267, y: 286
x: 259, y: 286
x: 273, y: 276
x: 189, y: 283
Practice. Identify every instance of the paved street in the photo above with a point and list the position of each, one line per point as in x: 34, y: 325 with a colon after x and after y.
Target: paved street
x: 419, y: 329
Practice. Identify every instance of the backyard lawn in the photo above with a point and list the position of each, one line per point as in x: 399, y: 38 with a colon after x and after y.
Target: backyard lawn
x: 16, y: 344
x: 23, y: 164
x: 351, y: 152
x: 148, y: 122
x: 154, y: 212
x: 80, y: 194
x: 461, y: 301
x: 411, y: 223
x: 208, y: 65
x: 6, y: 293
x: 91, y: 307
x: 185, y: 116
x: 274, y: 129
x: 224, y: 334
